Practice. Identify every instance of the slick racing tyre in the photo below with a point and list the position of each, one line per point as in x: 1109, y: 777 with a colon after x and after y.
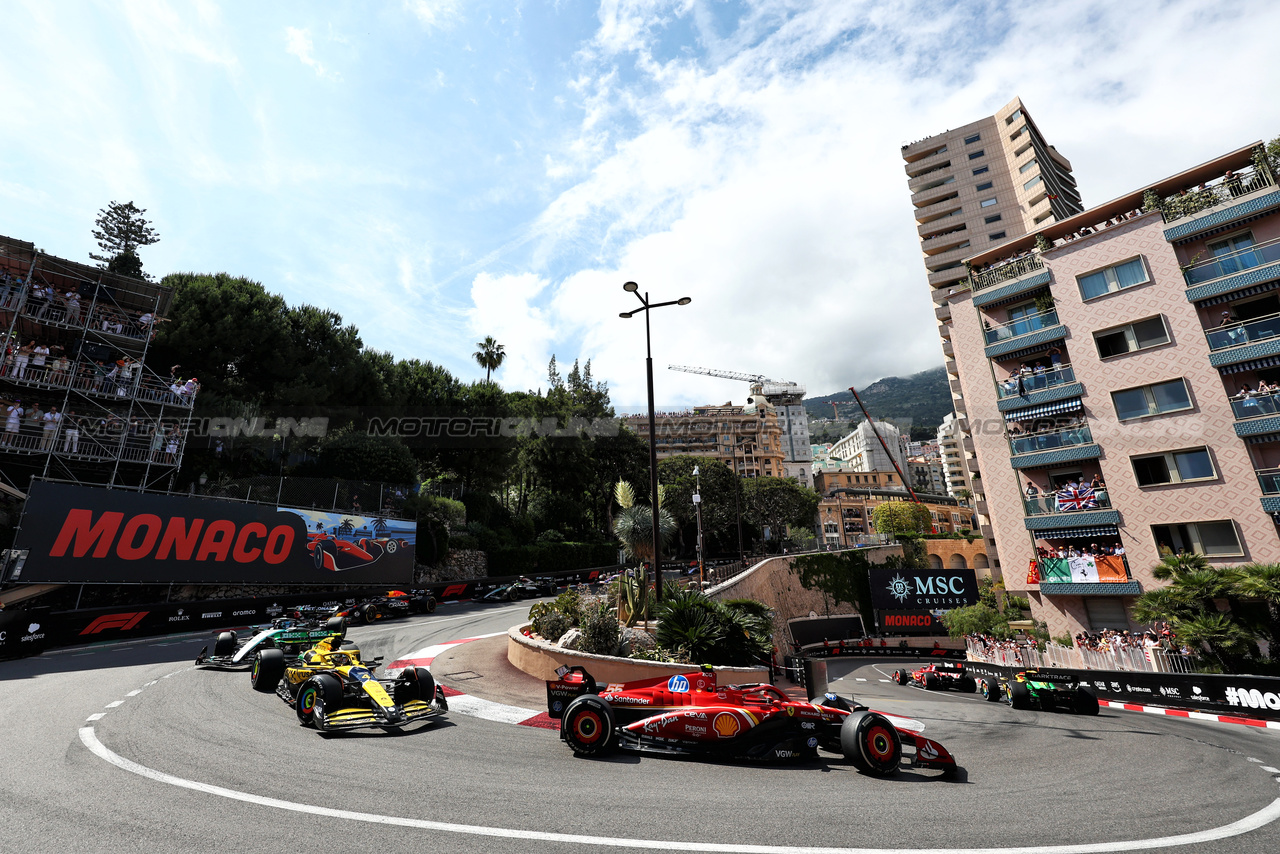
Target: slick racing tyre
x: 268, y: 667
x: 1048, y: 701
x: 225, y: 645
x: 416, y: 683
x: 1019, y: 695
x: 968, y: 684
x: 931, y: 682
x: 1086, y: 700
x: 901, y: 677
x: 321, y: 691
x: 429, y: 605
x: 990, y: 689
x: 371, y: 613
x: 336, y: 625
x: 588, y: 726
x: 870, y: 742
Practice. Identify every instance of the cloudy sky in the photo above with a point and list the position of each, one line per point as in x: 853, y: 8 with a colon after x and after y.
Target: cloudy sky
x: 442, y: 170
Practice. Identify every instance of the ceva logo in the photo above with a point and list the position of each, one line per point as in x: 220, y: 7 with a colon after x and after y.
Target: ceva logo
x: 123, y: 622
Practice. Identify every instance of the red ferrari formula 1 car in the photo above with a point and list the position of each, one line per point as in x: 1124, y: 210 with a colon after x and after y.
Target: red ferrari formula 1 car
x: 937, y: 676
x: 687, y: 715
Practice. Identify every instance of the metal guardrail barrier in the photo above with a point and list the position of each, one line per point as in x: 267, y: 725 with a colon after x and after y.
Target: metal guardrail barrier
x: 1134, y: 659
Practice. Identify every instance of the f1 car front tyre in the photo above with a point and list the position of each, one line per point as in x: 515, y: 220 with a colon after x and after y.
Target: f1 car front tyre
x: 871, y: 743
x: 588, y: 726
x: 1019, y: 695
x: 268, y: 667
x: 416, y: 683
x: 336, y: 625
x: 225, y: 644
x: 901, y: 677
x: 931, y: 682
x: 990, y: 689
x: 1086, y: 700
x: 321, y: 692
x: 371, y: 613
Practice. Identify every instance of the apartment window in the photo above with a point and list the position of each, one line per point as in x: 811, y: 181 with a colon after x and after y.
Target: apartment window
x: 1155, y: 399
x: 1032, y: 182
x: 981, y: 169
x: 1113, y: 279
x: 970, y: 140
x: 976, y: 154
x: 999, y: 235
x: 1173, y: 467
x: 983, y: 186
x: 993, y: 218
x: 1028, y: 165
x: 1134, y: 336
x: 1211, y: 539
x: 986, y: 203
x: 1013, y: 117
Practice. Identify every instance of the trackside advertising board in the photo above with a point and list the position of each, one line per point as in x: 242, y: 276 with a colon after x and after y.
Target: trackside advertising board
x: 87, y: 535
x: 922, y: 589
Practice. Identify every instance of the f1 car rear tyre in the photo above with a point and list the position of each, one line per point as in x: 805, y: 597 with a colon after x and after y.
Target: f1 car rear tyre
x: 429, y: 605
x: 416, y: 683
x: 371, y: 613
x: 1048, y: 702
x: 225, y: 644
x: 931, y: 682
x: 512, y: 593
x: 319, y: 689
x: 588, y: 726
x: 968, y: 684
x: 901, y: 677
x: 1019, y: 695
x: 871, y: 743
x: 336, y: 625
x: 990, y: 689
x: 268, y: 667
x: 1086, y: 700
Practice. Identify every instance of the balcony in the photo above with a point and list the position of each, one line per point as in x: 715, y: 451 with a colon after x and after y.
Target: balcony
x: 1025, y: 384
x: 1246, y: 332
x: 1233, y: 262
x: 1221, y: 191
x: 1050, y: 440
x: 1063, y: 503
x: 948, y: 350
x: 943, y: 312
x: 1022, y: 326
x: 1269, y: 480
x: 1254, y: 406
x: 1007, y: 271
x: 945, y: 206
x: 928, y: 176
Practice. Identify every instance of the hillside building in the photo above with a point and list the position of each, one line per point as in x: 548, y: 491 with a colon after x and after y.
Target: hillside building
x: 748, y: 438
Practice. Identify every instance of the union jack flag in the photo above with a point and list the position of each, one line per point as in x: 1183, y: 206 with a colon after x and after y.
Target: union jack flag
x: 1077, y: 499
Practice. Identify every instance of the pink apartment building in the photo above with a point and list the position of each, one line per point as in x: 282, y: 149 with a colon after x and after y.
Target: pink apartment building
x: 1108, y: 350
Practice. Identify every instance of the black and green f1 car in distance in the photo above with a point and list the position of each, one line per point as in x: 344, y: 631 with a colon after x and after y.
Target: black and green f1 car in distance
x: 1048, y: 692
x: 291, y: 635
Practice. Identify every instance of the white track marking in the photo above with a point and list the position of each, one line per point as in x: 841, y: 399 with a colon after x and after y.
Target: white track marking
x: 1259, y: 819
x: 488, y: 710
x: 1270, y: 770
x: 135, y: 692
x: 115, y: 703
x: 96, y: 717
x: 856, y: 678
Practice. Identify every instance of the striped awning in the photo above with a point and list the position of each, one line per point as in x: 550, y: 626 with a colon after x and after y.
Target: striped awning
x: 1261, y: 438
x: 1073, y: 533
x: 1251, y: 365
x: 1030, y: 413
x: 1240, y: 294
x: 1038, y: 350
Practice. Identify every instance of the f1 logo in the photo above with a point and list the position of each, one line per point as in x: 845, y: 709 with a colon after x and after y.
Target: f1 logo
x: 453, y: 590
x: 123, y: 622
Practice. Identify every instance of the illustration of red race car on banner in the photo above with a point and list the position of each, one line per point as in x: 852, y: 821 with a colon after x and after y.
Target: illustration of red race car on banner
x: 687, y: 715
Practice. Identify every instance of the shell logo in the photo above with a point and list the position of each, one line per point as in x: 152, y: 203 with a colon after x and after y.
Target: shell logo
x: 726, y: 725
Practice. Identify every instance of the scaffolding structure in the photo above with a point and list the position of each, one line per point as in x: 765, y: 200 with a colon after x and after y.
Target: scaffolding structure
x: 76, y: 340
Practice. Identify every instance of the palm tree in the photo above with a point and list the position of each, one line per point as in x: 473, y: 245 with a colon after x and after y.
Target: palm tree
x: 1262, y: 581
x: 633, y: 525
x: 490, y: 356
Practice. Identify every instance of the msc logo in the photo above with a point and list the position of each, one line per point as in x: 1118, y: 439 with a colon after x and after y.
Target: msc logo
x: 123, y: 622
x: 726, y: 725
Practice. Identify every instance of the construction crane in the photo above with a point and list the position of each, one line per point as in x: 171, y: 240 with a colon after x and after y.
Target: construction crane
x: 768, y: 387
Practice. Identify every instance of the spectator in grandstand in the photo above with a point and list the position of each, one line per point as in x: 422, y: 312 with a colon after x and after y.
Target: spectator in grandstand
x: 39, y: 356
x: 73, y: 307
x: 58, y: 374
x: 172, y: 441
x: 13, y: 421
x: 124, y: 380
x: 51, y: 420
x: 71, y: 433
x: 157, y: 444
x: 21, y: 359
x: 32, y: 423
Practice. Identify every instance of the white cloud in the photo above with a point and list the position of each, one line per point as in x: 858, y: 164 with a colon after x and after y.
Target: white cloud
x: 298, y: 43
x: 435, y: 14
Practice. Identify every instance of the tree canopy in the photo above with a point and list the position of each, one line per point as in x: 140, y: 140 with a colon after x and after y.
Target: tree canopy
x: 121, y: 231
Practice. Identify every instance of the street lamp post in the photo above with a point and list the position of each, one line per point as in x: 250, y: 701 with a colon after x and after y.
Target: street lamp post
x: 697, y: 506
x: 737, y: 504
x: 632, y: 287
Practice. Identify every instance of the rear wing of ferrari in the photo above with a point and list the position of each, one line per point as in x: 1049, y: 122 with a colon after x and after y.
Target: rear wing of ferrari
x: 570, y: 683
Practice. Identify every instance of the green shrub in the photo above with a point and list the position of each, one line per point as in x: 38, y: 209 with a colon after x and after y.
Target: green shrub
x: 1064, y: 640
x: 734, y: 633
x: 679, y: 656
x: 600, y: 630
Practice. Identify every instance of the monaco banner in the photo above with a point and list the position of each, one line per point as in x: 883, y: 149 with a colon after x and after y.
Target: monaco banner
x: 922, y: 589
x: 87, y: 535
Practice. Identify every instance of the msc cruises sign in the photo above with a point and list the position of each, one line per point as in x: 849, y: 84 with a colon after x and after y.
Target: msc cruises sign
x: 916, y: 590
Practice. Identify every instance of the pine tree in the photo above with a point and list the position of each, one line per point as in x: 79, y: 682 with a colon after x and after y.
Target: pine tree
x: 121, y: 230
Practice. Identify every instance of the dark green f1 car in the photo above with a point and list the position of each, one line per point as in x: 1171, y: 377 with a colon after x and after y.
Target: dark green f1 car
x: 1048, y: 692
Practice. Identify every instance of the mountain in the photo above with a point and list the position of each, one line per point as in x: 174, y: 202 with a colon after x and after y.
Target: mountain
x: 919, y: 401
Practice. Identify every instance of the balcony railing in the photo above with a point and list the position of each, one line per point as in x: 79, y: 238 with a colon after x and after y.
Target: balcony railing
x: 1138, y: 659
x: 1033, y: 382
x: 1022, y: 326
x: 1064, y: 501
x: 1269, y: 480
x: 1005, y: 271
x: 1211, y: 194
x: 1246, y: 332
x: 1070, y: 437
x: 1253, y: 405
x: 1233, y: 262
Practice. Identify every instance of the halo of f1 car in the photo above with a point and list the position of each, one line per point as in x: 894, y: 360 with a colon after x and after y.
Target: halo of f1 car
x: 688, y: 715
x: 330, y: 688
x: 290, y: 635
x: 1048, y: 692
x: 937, y: 676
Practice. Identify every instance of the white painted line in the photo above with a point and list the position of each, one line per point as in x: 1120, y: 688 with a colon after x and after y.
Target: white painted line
x: 1270, y: 770
x: 116, y: 703
x: 1256, y: 820
x: 134, y: 693
x: 96, y: 717
x: 886, y: 680
x: 488, y: 710
x: 856, y: 678
x: 1251, y: 759
x: 154, y: 681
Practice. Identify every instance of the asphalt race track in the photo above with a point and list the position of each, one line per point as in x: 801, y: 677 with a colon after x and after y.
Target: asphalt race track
x: 127, y: 748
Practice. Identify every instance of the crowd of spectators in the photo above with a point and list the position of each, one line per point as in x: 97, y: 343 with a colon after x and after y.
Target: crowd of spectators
x: 1091, y: 550
x: 1067, y: 496
x: 1160, y: 636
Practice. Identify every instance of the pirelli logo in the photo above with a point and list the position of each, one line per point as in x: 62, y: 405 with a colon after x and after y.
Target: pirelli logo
x: 123, y: 622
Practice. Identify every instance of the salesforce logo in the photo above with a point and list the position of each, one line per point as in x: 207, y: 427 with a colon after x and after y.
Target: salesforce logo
x: 33, y: 633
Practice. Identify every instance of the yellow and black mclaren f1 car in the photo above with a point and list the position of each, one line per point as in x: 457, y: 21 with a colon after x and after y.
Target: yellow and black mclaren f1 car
x: 330, y: 688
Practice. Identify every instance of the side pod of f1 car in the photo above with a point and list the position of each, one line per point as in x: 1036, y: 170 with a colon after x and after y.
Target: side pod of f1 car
x: 1049, y: 692
x: 689, y: 715
x: 288, y: 634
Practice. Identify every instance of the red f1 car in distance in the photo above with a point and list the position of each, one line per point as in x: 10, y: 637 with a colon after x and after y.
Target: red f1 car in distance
x: 687, y: 715
x: 937, y: 676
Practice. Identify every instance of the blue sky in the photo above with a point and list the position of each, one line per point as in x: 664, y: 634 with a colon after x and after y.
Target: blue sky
x: 441, y: 170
